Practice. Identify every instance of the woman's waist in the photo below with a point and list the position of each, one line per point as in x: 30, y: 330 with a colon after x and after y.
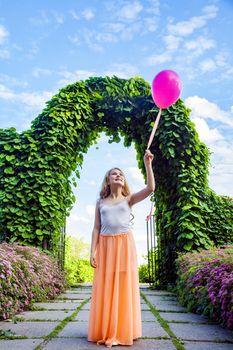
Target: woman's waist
x: 115, y: 233
x: 110, y: 228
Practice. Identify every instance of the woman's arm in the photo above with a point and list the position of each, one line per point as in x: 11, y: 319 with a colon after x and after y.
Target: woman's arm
x: 95, y: 236
x: 150, y: 183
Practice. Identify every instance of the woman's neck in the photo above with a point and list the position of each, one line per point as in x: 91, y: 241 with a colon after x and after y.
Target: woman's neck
x: 116, y: 193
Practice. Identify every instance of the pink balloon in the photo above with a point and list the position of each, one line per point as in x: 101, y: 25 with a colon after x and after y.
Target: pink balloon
x: 166, y: 88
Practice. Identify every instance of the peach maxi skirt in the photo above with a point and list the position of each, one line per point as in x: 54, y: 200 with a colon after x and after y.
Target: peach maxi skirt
x: 115, y: 314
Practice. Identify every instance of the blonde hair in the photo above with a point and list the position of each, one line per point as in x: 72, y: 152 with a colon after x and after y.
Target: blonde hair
x: 105, y: 188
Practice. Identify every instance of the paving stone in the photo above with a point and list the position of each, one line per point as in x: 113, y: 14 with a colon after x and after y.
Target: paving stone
x: 201, y: 332
x: 62, y: 305
x: 20, y: 344
x: 45, y: 315
x: 162, y: 302
x: 83, y: 295
x: 83, y: 344
x: 148, y: 316
x: 162, y: 298
x: 145, y: 307
x: 83, y: 315
x: 74, y: 296
x: 157, y: 292
x: 79, y: 329
x: 169, y: 307
x: 207, y: 346
x: 153, y: 330
x: 84, y: 285
x: 74, y: 330
x: 183, y: 317
x: 29, y: 329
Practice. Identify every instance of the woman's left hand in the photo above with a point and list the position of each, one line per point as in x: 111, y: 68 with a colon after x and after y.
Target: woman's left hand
x: 148, y: 157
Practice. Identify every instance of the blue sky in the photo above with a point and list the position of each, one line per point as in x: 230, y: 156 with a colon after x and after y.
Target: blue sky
x: 47, y: 44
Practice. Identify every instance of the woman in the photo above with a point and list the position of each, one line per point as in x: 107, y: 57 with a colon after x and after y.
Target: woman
x: 115, y: 314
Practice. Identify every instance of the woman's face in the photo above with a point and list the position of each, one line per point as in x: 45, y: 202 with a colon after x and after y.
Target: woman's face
x: 116, y: 177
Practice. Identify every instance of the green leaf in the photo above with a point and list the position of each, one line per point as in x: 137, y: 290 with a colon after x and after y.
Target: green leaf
x: 188, y: 245
x: 9, y: 171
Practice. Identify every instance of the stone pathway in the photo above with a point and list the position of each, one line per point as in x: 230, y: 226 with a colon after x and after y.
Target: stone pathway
x: 61, y: 324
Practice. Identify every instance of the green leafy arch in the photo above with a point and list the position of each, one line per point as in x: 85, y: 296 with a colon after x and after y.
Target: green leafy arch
x: 36, y: 166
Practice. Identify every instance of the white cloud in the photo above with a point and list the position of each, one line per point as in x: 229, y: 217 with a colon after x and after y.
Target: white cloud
x: 75, y: 39
x: 90, y: 209
x: 208, y: 65
x: 130, y: 11
x: 3, y: 34
x: 159, y: 58
x: 132, y: 29
x: 153, y: 7
x: 221, y: 170
x: 199, y: 45
x: 38, y: 72
x: 90, y: 182
x: 35, y: 99
x: 210, y: 11
x: 151, y: 24
x: 5, y: 93
x: 202, y: 108
x: 185, y: 28
x: 4, y: 54
x: 115, y: 27
x: 206, y: 134
x: 105, y: 37
x: 30, y: 99
x: 74, y: 14
x: 33, y: 51
x: 42, y: 19
x: 122, y: 70
x: 88, y: 14
x: 72, y: 77
x: 221, y: 58
x: 8, y: 80
x: 77, y: 218
x: 172, y: 42
x: 136, y: 174
x: 58, y: 18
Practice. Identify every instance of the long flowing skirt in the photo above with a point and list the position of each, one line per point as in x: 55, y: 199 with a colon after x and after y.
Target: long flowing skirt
x: 115, y: 314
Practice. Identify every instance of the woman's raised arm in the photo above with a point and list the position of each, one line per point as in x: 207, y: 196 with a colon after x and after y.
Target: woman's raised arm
x: 150, y: 183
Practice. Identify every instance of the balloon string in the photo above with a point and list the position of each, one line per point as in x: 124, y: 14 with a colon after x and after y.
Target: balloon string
x: 154, y: 128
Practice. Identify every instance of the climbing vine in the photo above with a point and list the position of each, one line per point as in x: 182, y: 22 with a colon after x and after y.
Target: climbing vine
x: 37, y: 167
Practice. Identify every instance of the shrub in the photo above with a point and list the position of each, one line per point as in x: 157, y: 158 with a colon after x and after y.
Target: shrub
x: 26, y: 275
x: 205, y: 283
x: 77, y: 265
x: 143, y: 273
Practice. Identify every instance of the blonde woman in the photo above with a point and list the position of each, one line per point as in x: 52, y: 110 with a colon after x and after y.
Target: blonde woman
x: 115, y: 314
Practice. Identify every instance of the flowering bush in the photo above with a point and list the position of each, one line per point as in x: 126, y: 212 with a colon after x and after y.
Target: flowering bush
x: 205, y: 283
x: 26, y: 275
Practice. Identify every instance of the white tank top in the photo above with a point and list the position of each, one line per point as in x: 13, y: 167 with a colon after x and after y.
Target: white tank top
x: 115, y: 218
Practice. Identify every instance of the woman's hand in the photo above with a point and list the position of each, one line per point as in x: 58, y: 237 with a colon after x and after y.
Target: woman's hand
x: 93, y: 260
x: 148, y: 157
